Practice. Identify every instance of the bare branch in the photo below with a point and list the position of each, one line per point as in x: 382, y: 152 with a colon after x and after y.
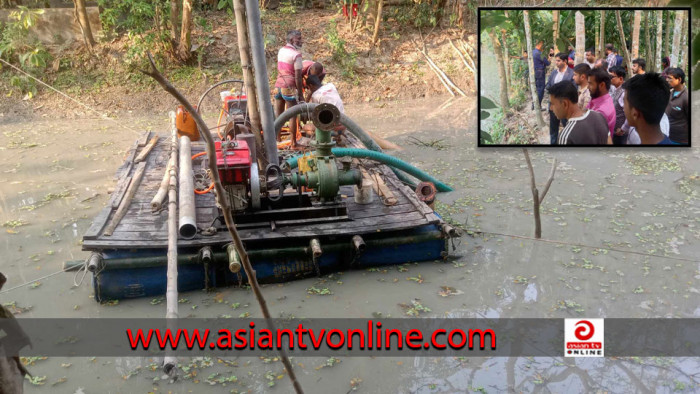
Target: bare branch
x: 549, y: 180
x: 223, y: 203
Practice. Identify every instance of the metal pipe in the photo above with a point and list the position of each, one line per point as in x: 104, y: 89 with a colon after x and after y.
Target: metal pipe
x: 187, y: 219
x: 206, y: 255
x: 262, y: 254
x: 267, y: 117
x: 234, y: 260
x: 316, y: 248
x: 95, y: 262
x: 359, y: 244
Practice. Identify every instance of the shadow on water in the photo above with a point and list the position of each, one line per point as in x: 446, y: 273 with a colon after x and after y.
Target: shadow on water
x: 55, y: 180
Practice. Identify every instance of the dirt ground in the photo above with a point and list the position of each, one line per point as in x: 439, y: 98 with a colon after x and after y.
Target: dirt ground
x: 392, y: 69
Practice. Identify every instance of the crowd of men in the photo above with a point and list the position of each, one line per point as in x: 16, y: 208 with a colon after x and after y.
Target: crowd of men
x: 595, y: 102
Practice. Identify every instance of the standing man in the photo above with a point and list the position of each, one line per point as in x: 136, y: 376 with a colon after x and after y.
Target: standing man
x: 590, y: 57
x: 581, y: 79
x: 665, y: 64
x: 584, y: 127
x: 599, y: 84
x: 677, y: 110
x: 610, y: 56
x: 617, y: 77
x: 288, y: 87
x: 639, y: 66
x: 540, y: 67
x: 646, y: 97
x: 561, y: 73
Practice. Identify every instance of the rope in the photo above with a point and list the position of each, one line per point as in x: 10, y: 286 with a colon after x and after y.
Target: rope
x: 103, y: 115
x: 581, y: 245
x: 32, y: 281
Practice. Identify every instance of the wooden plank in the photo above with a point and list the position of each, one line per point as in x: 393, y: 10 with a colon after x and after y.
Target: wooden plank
x: 123, y: 207
x: 142, y: 140
x: 128, y: 162
x: 98, y: 223
x: 146, y: 150
x: 118, y: 193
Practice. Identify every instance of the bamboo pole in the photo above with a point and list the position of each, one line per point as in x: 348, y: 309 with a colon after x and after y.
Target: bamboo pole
x: 126, y: 202
x: 461, y: 56
x: 228, y: 217
x: 248, y: 80
x: 186, y: 206
x: 157, y: 201
x: 171, y: 293
x: 441, y: 74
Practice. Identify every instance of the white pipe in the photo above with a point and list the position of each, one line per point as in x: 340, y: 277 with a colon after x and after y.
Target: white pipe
x: 187, y: 220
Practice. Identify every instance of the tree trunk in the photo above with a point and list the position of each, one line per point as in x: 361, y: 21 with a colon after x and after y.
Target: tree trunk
x: 601, y: 42
x: 84, y: 22
x: 505, y: 105
x: 377, y: 21
x: 659, y: 34
x: 175, y: 22
x: 635, y: 34
x: 668, y: 34
x: 676, y: 46
x: 648, y: 53
x: 580, y: 38
x: 183, y: 49
x: 248, y: 79
x: 623, y: 43
x: 531, y: 70
x: 684, y: 45
x: 506, y: 59
x: 555, y: 28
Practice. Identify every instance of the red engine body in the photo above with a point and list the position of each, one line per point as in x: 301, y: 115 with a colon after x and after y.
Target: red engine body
x: 233, y: 162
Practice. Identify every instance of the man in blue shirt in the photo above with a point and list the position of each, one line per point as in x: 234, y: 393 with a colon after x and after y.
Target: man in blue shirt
x: 540, y: 67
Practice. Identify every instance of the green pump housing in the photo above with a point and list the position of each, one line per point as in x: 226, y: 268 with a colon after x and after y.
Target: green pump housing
x: 323, y: 174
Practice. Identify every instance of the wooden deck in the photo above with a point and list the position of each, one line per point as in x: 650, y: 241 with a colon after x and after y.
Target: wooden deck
x: 140, y: 228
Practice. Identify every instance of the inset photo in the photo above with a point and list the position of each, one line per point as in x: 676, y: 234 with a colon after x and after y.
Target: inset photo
x: 584, y: 77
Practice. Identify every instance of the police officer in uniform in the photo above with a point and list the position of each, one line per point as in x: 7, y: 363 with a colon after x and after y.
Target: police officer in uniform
x: 540, y: 68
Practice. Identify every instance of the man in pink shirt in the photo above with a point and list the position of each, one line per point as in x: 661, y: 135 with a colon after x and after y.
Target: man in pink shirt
x: 598, y: 85
x: 288, y: 87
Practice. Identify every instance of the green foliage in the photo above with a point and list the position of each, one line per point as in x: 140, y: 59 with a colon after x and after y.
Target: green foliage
x: 154, y: 42
x: 134, y: 16
x: 224, y: 5
x: 18, y: 45
x: 346, y: 60
x: 288, y: 8
x: 418, y: 13
x: 485, y: 137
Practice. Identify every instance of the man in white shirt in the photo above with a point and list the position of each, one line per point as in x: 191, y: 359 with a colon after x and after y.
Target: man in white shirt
x: 323, y: 93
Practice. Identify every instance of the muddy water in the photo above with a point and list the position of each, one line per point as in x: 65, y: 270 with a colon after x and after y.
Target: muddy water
x: 55, y: 176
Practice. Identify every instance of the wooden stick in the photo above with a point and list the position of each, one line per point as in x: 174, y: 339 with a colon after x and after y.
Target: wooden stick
x: 144, y: 153
x: 126, y: 202
x: 157, y: 201
x: 461, y: 56
x: 535, y: 196
x: 447, y: 79
x: 549, y: 180
x: 380, y: 187
x: 228, y: 217
x: 439, y: 77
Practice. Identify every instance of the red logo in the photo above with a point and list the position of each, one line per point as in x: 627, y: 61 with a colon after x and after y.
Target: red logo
x: 582, y: 333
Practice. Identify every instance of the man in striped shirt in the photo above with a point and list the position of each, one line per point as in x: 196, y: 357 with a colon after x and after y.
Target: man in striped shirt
x: 288, y: 87
x: 610, y: 56
x: 583, y: 127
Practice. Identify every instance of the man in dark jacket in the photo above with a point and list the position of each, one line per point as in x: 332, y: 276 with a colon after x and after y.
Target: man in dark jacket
x: 561, y: 73
x: 540, y: 69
